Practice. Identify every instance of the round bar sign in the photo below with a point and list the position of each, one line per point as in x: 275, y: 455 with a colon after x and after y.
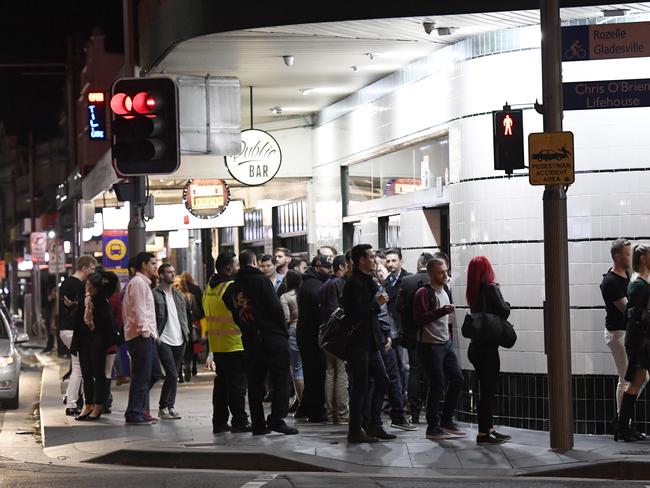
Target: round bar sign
x: 206, y: 199
x: 258, y: 161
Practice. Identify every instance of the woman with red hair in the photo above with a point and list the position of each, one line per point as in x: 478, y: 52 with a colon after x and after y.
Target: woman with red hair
x: 483, y: 295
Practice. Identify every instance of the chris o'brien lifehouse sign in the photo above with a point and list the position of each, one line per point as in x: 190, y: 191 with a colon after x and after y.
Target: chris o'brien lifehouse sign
x: 609, y: 41
x: 258, y: 161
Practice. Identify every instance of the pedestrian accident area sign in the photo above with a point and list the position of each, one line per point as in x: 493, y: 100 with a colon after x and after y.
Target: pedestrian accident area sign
x: 550, y: 158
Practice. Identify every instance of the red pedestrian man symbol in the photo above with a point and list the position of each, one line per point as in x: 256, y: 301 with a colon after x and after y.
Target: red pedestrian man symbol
x: 507, y: 124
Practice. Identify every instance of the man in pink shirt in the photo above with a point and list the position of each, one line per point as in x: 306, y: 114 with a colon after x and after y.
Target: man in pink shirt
x: 140, y: 333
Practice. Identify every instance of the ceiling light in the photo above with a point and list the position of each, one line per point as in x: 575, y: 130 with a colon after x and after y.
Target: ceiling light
x: 428, y: 26
x: 306, y: 91
x: 371, y: 56
x: 618, y: 12
x: 354, y: 68
x: 288, y: 59
x: 276, y: 110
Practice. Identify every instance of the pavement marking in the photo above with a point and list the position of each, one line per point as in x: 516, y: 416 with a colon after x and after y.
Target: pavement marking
x: 260, y: 481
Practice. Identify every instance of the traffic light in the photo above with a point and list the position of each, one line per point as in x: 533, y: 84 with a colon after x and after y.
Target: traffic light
x: 508, y: 136
x: 145, y: 126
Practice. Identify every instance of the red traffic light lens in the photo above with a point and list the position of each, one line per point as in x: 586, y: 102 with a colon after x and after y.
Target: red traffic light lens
x: 507, y: 125
x: 121, y: 104
x: 144, y: 103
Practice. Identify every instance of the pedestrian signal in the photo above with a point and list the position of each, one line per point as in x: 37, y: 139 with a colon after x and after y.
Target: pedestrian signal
x: 508, y: 138
x: 145, y: 126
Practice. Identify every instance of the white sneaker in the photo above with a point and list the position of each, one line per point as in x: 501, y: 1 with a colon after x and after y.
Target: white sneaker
x: 164, y: 414
x: 173, y: 413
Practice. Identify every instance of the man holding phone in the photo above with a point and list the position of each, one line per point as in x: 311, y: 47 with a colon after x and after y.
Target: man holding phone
x: 431, y: 310
x: 362, y: 303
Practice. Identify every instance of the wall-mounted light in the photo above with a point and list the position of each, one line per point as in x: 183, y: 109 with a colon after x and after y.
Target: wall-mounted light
x: 616, y: 12
x: 446, y: 31
x: 371, y: 56
x: 306, y: 91
x: 354, y: 68
x: 289, y: 59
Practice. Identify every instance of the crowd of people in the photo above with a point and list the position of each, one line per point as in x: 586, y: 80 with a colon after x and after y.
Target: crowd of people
x: 263, y: 315
x: 147, y: 331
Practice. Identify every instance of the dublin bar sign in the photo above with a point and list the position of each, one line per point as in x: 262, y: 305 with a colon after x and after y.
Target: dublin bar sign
x: 259, y: 159
x: 586, y: 95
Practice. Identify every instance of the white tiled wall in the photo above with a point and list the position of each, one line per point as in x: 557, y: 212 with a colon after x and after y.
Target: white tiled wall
x: 600, y: 205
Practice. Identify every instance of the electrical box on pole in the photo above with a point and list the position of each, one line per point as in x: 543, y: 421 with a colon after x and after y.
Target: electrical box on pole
x: 145, y: 126
x: 508, y: 138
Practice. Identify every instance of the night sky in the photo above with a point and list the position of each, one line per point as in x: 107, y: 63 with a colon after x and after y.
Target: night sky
x: 35, y: 32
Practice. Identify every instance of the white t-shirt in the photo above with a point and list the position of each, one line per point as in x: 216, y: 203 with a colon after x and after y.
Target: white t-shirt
x: 172, y: 334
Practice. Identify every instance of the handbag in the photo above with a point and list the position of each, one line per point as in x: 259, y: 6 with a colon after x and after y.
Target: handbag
x: 488, y: 328
x: 334, y: 334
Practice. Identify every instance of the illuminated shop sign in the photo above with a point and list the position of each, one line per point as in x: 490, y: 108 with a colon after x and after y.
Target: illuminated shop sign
x: 96, y: 116
x: 206, y: 199
x: 259, y: 159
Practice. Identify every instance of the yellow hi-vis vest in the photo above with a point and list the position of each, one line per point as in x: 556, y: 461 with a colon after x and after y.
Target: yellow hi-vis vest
x: 223, y: 333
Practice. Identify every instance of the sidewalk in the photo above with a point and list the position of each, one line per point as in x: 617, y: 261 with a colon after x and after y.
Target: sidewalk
x: 323, y: 446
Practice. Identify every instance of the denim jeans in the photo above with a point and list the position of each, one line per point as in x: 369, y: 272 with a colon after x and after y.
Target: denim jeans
x: 142, y: 354
x: 440, y: 364
x: 395, y: 391
x: 171, y: 358
x: 294, y: 355
x: 418, y: 383
x: 365, y: 365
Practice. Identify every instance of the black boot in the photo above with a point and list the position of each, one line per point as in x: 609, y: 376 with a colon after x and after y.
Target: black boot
x: 625, y: 415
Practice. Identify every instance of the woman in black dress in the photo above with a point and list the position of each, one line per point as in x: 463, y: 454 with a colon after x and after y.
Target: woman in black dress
x: 483, y: 295
x: 637, y: 342
x: 92, y: 338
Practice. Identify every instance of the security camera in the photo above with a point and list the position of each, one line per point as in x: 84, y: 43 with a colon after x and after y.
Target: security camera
x: 288, y: 60
x: 428, y: 26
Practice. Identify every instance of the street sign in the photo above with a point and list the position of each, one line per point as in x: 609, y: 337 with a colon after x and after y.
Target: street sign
x: 606, y: 41
x: 550, y: 158
x: 586, y: 95
x: 38, y: 246
x: 56, y: 263
x: 115, y: 246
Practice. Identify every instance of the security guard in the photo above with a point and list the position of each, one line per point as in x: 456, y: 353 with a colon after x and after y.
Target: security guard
x: 227, y: 354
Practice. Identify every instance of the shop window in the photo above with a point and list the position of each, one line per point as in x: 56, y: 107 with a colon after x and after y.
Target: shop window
x: 253, y: 225
x: 226, y: 239
x: 418, y: 167
x: 389, y: 228
x: 290, y: 226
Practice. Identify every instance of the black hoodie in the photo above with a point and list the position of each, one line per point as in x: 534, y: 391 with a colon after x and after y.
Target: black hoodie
x: 309, y: 318
x: 257, y: 308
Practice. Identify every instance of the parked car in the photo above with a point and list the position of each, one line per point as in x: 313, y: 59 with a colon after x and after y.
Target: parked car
x: 10, y: 361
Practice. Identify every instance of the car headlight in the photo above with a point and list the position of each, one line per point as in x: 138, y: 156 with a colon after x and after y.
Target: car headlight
x: 6, y: 361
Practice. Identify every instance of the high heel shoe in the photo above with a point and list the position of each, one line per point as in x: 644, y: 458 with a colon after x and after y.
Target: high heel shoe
x: 83, y: 416
x: 90, y: 418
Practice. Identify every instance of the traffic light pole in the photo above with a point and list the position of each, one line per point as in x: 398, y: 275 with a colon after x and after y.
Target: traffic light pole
x: 137, y: 230
x: 557, y: 332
